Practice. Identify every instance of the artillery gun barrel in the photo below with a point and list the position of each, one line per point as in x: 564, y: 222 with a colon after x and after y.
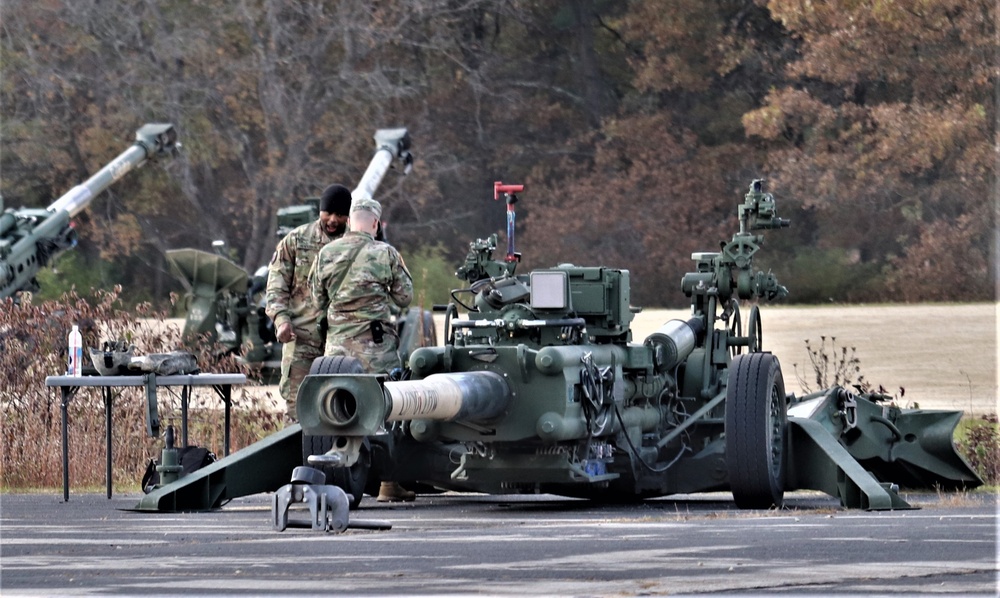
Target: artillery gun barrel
x: 389, y: 145
x: 31, y: 237
x: 357, y: 405
x: 466, y: 396
x: 151, y: 141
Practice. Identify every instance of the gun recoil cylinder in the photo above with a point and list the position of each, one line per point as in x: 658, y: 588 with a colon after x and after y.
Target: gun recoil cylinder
x: 674, y: 341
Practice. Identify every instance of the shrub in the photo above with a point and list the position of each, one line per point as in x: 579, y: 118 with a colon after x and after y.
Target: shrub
x: 33, y: 346
x: 70, y: 271
x: 830, y: 366
x: 433, y: 276
x: 824, y: 275
x: 980, y: 445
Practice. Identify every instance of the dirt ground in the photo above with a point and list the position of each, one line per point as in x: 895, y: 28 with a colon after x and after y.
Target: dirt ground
x: 944, y: 355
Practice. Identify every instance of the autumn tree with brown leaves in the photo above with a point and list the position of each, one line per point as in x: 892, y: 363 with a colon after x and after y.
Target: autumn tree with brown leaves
x: 637, y: 125
x: 884, y: 132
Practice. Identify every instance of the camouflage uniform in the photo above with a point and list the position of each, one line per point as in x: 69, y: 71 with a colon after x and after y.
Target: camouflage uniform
x: 288, y: 300
x: 371, y: 283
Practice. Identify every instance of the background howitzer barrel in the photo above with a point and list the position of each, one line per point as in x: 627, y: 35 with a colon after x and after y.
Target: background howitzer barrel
x: 390, y: 144
x: 151, y: 141
x: 31, y: 238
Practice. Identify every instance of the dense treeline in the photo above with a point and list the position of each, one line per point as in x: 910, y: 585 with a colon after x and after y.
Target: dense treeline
x: 636, y: 124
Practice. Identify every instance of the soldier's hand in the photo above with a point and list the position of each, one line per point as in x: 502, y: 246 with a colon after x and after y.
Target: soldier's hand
x: 285, y: 332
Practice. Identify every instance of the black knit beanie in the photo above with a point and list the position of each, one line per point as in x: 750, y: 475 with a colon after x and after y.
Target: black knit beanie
x: 336, y: 199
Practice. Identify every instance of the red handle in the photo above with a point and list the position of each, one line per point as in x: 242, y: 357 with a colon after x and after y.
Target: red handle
x: 499, y: 187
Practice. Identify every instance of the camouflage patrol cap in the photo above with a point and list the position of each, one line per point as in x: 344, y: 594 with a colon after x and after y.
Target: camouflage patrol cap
x: 367, y: 204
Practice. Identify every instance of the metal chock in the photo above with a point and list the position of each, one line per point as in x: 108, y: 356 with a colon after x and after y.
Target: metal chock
x: 329, y: 506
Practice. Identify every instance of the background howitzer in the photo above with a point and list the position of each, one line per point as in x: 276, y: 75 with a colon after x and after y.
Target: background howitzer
x: 225, y: 304
x: 539, y: 387
x: 31, y: 238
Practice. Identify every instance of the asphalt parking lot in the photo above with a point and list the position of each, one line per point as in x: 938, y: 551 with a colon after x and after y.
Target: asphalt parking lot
x: 472, y: 544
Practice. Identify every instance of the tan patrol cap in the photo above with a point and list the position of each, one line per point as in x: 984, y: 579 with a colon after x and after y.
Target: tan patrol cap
x: 367, y: 204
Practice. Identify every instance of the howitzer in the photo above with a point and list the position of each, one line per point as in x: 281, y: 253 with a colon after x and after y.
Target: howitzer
x: 31, y: 238
x: 226, y: 304
x: 539, y: 387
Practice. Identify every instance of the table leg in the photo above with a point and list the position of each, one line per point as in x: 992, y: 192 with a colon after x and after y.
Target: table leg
x: 184, y: 415
x: 226, y: 398
x: 152, y: 414
x: 225, y: 392
x: 66, y: 394
x: 107, y: 418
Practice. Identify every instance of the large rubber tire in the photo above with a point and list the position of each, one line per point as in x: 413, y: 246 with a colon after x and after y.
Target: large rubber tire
x: 337, y: 364
x: 351, y: 479
x: 430, y: 330
x: 756, y: 430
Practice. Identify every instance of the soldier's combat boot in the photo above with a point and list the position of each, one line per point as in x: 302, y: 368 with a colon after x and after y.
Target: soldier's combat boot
x: 393, y: 492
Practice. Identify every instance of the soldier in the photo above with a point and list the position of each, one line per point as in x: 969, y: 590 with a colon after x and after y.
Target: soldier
x: 355, y: 281
x: 287, y: 298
